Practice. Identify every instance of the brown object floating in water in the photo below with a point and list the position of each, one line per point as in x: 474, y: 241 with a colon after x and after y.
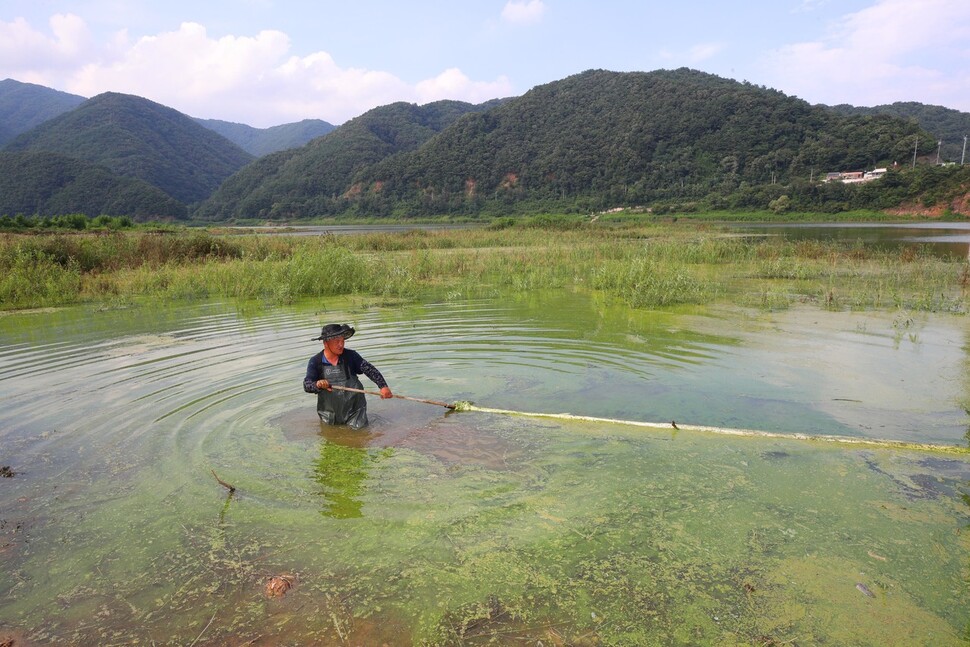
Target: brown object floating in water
x: 231, y: 488
x: 278, y: 586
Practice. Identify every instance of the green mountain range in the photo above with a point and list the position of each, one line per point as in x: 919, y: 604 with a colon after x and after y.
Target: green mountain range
x: 949, y: 127
x: 303, y: 182
x: 594, y: 140
x: 263, y: 141
x: 139, y: 138
x: 26, y: 105
x: 667, y: 140
x: 41, y: 183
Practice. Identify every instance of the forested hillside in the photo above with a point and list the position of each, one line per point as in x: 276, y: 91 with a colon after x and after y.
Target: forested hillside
x: 304, y: 182
x: 594, y: 140
x: 139, y: 138
x: 676, y: 140
x: 25, y: 105
x: 604, y: 139
x: 50, y: 184
x: 947, y: 126
x: 263, y: 141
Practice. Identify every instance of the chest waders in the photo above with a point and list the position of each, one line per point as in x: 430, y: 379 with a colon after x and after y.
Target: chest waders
x: 342, y: 407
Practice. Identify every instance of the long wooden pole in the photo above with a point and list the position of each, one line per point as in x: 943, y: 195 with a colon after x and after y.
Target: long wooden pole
x: 403, y: 397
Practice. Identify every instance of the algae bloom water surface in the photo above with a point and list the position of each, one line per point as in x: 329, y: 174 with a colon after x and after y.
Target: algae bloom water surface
x: 437, y: 527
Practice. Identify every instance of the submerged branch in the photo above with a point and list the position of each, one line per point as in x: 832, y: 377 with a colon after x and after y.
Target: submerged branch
x: 210, y: 619
x: 231, y: 488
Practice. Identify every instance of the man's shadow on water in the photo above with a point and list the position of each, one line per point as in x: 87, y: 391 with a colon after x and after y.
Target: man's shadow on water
x: 346, y: 458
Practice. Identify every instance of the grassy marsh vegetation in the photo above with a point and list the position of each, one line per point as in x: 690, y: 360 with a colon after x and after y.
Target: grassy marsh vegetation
x: 645, y: 265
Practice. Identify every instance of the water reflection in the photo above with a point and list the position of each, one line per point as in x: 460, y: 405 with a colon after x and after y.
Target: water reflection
x: 342, y: 470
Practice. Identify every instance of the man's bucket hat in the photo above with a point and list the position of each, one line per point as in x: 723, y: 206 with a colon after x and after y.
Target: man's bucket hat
x: 332, y: 331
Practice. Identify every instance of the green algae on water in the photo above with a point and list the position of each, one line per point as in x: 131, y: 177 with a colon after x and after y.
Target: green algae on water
x: 585, y: 533
x: 463, y: 405
x: 438, y: 529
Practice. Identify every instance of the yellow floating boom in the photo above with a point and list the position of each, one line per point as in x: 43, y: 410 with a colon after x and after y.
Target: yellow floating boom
x: 751, y: 433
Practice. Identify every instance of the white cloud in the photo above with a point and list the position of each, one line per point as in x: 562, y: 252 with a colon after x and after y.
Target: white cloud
x: 696, y: 54
x: 453, y: 83
x: 523, y: 13
x: 704, y: 51
x: 250, y: 79
x: 33, y: 54
x: 186, y: 65
x: 894, y: 50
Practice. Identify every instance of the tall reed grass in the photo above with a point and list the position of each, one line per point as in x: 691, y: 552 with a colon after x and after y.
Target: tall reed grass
x: 654, y: 265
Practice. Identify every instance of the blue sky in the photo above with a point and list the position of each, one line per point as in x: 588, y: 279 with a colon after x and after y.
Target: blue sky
x: 267, y: 62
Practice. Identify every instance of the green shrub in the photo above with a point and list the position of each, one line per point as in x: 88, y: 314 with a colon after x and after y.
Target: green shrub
x: 30, y: 278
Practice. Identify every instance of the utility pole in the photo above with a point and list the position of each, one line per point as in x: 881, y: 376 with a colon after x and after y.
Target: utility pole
x: 939, y: 145
x: 915, y: 148
x: 964, y: 153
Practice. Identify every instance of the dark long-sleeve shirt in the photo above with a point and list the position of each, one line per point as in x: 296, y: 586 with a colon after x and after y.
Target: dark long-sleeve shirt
x: 357, y: 365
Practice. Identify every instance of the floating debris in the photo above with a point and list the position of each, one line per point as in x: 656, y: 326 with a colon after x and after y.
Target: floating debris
x: 278, y: 586
x: 6, y: 472
x: 478, y: 619
x: 774, y: 455
x: 231, y: 488
x: 865, y: 590
x: 875, y: 556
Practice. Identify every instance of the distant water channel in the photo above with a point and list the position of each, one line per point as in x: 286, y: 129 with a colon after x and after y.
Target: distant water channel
x: 950, y: 239
x: 446, y: 528
x: 941, y: 238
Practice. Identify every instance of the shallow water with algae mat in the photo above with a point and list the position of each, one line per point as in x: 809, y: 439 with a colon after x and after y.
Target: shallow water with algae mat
x: 467, y: 528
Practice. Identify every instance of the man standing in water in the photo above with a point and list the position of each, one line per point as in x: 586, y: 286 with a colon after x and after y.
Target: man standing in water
x: 339, y: 366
